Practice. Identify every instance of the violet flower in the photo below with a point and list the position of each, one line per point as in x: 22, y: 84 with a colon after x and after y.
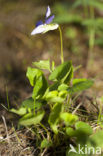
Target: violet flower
x: 47, y: 26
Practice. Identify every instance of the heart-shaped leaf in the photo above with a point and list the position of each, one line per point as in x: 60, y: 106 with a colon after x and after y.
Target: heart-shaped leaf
x: 83, y: 127
x: 29, y: 104
x: 39, y: 87
x: 68, y: 118
x: 80, y: 85
x: 60, y: 72
x: 20, y: 111
x: 43, y: 64
x: 32, y: 74
x: 31, y: 119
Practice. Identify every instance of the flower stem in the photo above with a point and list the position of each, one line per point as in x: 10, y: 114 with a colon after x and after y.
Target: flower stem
x: 61, y: 40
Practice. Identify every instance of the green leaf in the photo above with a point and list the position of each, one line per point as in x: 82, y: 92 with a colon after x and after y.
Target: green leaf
x: 43, y: 64
x: 70, y: 131
x: 60, y: 72
x: 75, y: 81
x: 29, y: 103
x: 63, y: 86
x: 69, y: 76
x: 63, y: 94
x: 46, y: 143
x: 55, y: 128
x: 80, y: 85
x: 40, y: 87
x: 54, y: 86
x: 82, y: 132
x: 53, y: 96
x: 55, y: 116
x: 96, y: 140
x: 26, y: 116
x: 31, y: 119
x: 20, y: 111
x: 83, y: 127
x: 32, y: 74
x: 68, y: 118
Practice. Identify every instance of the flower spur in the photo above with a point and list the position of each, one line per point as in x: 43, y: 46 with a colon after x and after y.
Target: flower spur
x: 47, y: 26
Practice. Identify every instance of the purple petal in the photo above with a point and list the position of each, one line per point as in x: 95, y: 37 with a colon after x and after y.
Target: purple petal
x: 39, y: 23
x: 48, y: 12
x: 49, y: 20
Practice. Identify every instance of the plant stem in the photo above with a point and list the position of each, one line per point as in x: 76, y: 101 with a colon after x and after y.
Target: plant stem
x: 92, y: 37
x: 85, y: 8
x: 7, y: 97
x: 45, y: 130
x: 61, y: 40
x: 43, y: 127
x: 34, y: 106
